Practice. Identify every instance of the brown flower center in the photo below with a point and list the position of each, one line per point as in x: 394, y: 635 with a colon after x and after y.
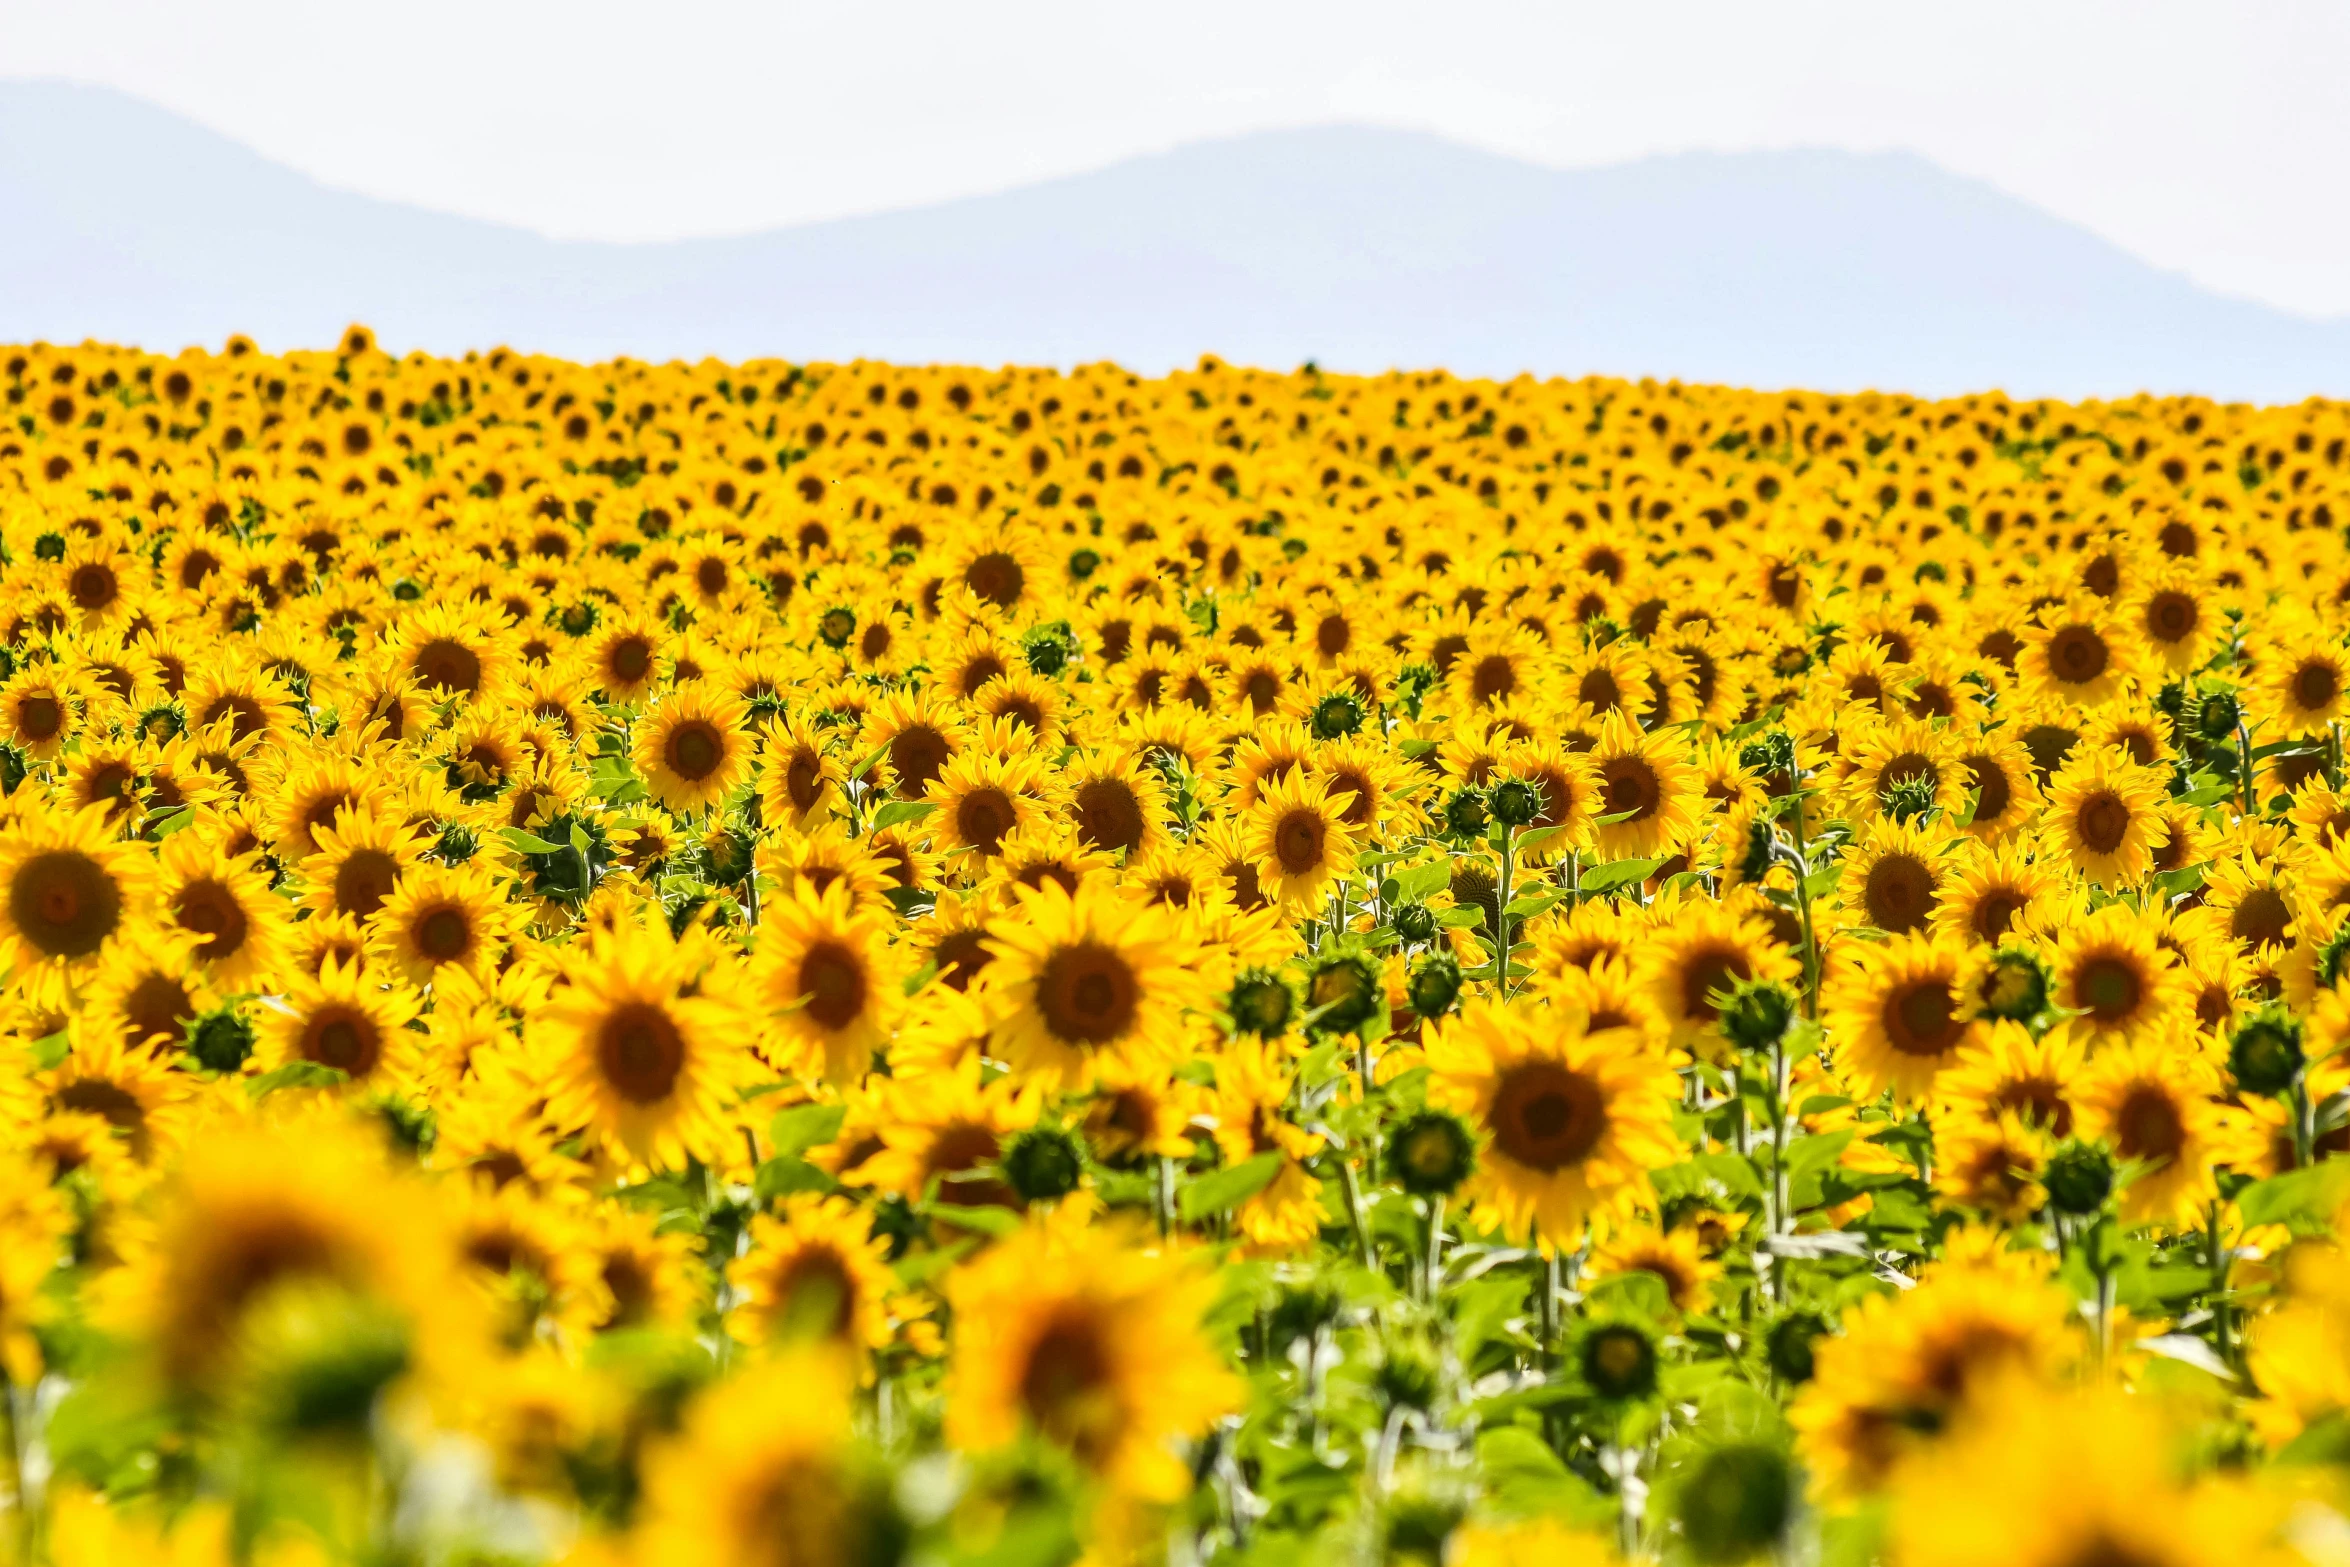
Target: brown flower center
x: 1547, y: 1117
x: 1088, y: 994
x: 64, y: 903
x: 640, y: 1052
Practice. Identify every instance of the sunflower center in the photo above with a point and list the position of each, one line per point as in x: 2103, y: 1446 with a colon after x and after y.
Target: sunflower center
x: 64, y: 903
x: 803, y: 780
x: 1707, y: 973
x: 2104, y: 820
x: 1899, y: 893
x: 92, y: 587
x: 2077, y: 655
x: 2170, y: 616
x: 640, y: 1052
x: 960, y: 955
x: 1547, y: 1117
x: 444, y: 934
x: 1088, y: 994
x: 631, y: 659
x: 2148, y: 1126
x: 156, y: 1008
x: 694, y: 749
x: 2315, y: 686
x: 1064, y: 1386
x: 2037, y: 1100
x: 816, y: 1297
x: 364, y: 881
x: 449, y: 664
x: 833, y: 980
x: 40, y: 717
x: 1108, y: 815
x: 2108, y: 988
x: 1921, y: 1018
x: 2262, y: 918
x: 917, y: 754
x: 997, y: 578
x: 211, y: 910
x: 344, y: 1038
x: 984, y: 816
x: 1629, y: 784
x: 1493, y: 678
x: 1297, y: 842
x: 1995, y: 912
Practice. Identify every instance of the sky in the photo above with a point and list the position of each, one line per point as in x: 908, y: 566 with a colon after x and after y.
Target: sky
x: 2212, y: 140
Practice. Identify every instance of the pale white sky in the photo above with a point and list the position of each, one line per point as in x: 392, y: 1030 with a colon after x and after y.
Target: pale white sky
x: 2211, y: 138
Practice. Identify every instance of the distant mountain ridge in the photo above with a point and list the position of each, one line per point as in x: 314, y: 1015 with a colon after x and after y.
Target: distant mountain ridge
x: 1360, y: 248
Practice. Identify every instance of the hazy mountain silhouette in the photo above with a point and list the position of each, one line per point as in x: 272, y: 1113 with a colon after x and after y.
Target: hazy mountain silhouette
x: 1361, y: 248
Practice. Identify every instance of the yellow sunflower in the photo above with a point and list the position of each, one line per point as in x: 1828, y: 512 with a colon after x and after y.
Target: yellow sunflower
x: 1899, y: 1015
x: 1572, y: 1121
x: 2103, y: 815
x: 1298, y: 840
x: 1085, y: 977
x: 69, y: 887
x: 692, y: 747
x: 829, y: 981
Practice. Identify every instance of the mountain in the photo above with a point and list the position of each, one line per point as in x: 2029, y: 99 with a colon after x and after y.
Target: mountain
x: 1360, y: 248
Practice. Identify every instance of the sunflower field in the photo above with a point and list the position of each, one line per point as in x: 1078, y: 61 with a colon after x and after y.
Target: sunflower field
x: 792, y: 965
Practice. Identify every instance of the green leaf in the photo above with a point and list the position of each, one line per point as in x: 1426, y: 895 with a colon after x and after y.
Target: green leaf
x: 1416, y: 883
x: 2209, y: 794
x: 1221, y: 1190
x: 867, y: 765
x: 51, y: 1049
x: 528, y: 843
x: 997, y: 1222
x: 163, y: 824
x: 802, y: 1127
x: 1536, y: 839
x: 785, y: 1175
x: 1460, y: 919
x: 295, y: 1074
x: 901, y: 811
x: 2312, y: 1193
x: 1617, y: 873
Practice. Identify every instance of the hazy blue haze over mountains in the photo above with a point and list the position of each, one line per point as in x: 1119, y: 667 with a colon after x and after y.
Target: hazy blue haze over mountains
x: 1360, y: 248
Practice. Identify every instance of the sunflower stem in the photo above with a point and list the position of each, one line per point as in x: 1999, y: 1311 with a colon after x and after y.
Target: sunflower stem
x: 2298, y: 1105
x: 1164, y: 1196
x: 2222, y: 1332
x: 1811, y: 946
x: 2244, y: 749
x: 1354, y: 1212
x: 1501, y: 917
x: 1435, y: 1273
x: 1548, y: 1315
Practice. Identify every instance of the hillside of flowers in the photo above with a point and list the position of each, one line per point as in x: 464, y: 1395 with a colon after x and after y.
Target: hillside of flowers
x: 791, y: 965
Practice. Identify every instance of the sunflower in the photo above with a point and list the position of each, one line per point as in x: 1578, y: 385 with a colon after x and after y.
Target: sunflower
x: 1647, y: 786
x: 814, y: 1273
x: 981, y: 800
x: 942, y: 1137
x: 359, y: 863
x: 2081, y: 1476
x: 1993, y: 1167
x: 70, y: 886
x: 1908, y: 1366
x: 1917, y: 758
x: 1092, y: 1342
x: 2007, y: 1073
x: 830, y: 985
x: 799, y: 780
x: 1298, y: 840
x: 1899, y: 1015
x: 312, y: 791
x: 765, y: 1473
x: 2079, y: 651
x: 1136, y: 1114
x: 2102, y: 814
x: 1086, y: 977
x: 1674, y: 1258
x: 147, y: 991
x: 344, y: 1020
x: 692, y: 747
x: 624, y: 658
x: 2113, y: 971
x: 1253, y: 1083
x: 823, y: 858
x: 1117, y: 806
x: 2152, y: 1101
x: 1701, y: 952
x: 646, y: 1274
x: 39, y: 712
x: 252, y: 1219
x: 1894, y: 876
x: 1993, y: 892
x: 641, y: 1044
x: 1573, y: 1121
x: 442, y: 916
x: 2301, y: 683
x: 106, y: 773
